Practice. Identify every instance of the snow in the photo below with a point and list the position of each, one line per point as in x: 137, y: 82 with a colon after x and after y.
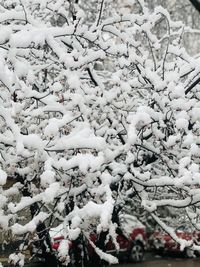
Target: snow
x: 183, y: 243
x: 24, y: 202
x: 47, y: 178
x: 82, y: 139
x: 5, y: 34
x: 195, y: 113
x: 57, y: 231
x: 74, y: 81
x: 182, y: 123
x: 16, y: 258
x: 195, y: 150
x: 63, y: 251
x: 51, y: 192
x: 12, y: 14
x: 107, y: 257
x: 4, y: 221
x: 32, y: 141
x: 129, y: 222
x: 84, y: 162
x: 106, y: 178
x: 95, y: 113
x: 171, y: 141
x: 93, y: 210
x: 30, y: 227
x: 189, y: 139
x: 3, y: 177
x: 74, y: 233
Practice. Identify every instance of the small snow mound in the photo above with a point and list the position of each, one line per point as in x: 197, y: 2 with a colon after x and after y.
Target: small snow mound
x: 3, y: 177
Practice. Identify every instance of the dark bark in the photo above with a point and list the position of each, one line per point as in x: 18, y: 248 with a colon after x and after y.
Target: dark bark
x: 96, y: 260
x: 196, y: 4
x: 192, y: 86
x: 91, y: 77
x: 41, y: 229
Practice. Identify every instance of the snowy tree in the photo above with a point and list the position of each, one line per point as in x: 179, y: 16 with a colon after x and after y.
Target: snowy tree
x: 94, y: 109
x: 186, y: 11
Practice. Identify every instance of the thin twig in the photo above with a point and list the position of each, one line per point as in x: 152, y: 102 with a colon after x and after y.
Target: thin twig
x: 100, y: 13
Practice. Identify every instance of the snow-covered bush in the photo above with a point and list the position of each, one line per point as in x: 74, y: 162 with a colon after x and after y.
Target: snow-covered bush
x: 94, y: 111
x: 186, y: 11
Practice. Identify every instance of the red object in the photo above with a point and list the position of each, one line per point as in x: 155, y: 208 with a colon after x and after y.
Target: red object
x: 163, y: 242
x: 131, y: 239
